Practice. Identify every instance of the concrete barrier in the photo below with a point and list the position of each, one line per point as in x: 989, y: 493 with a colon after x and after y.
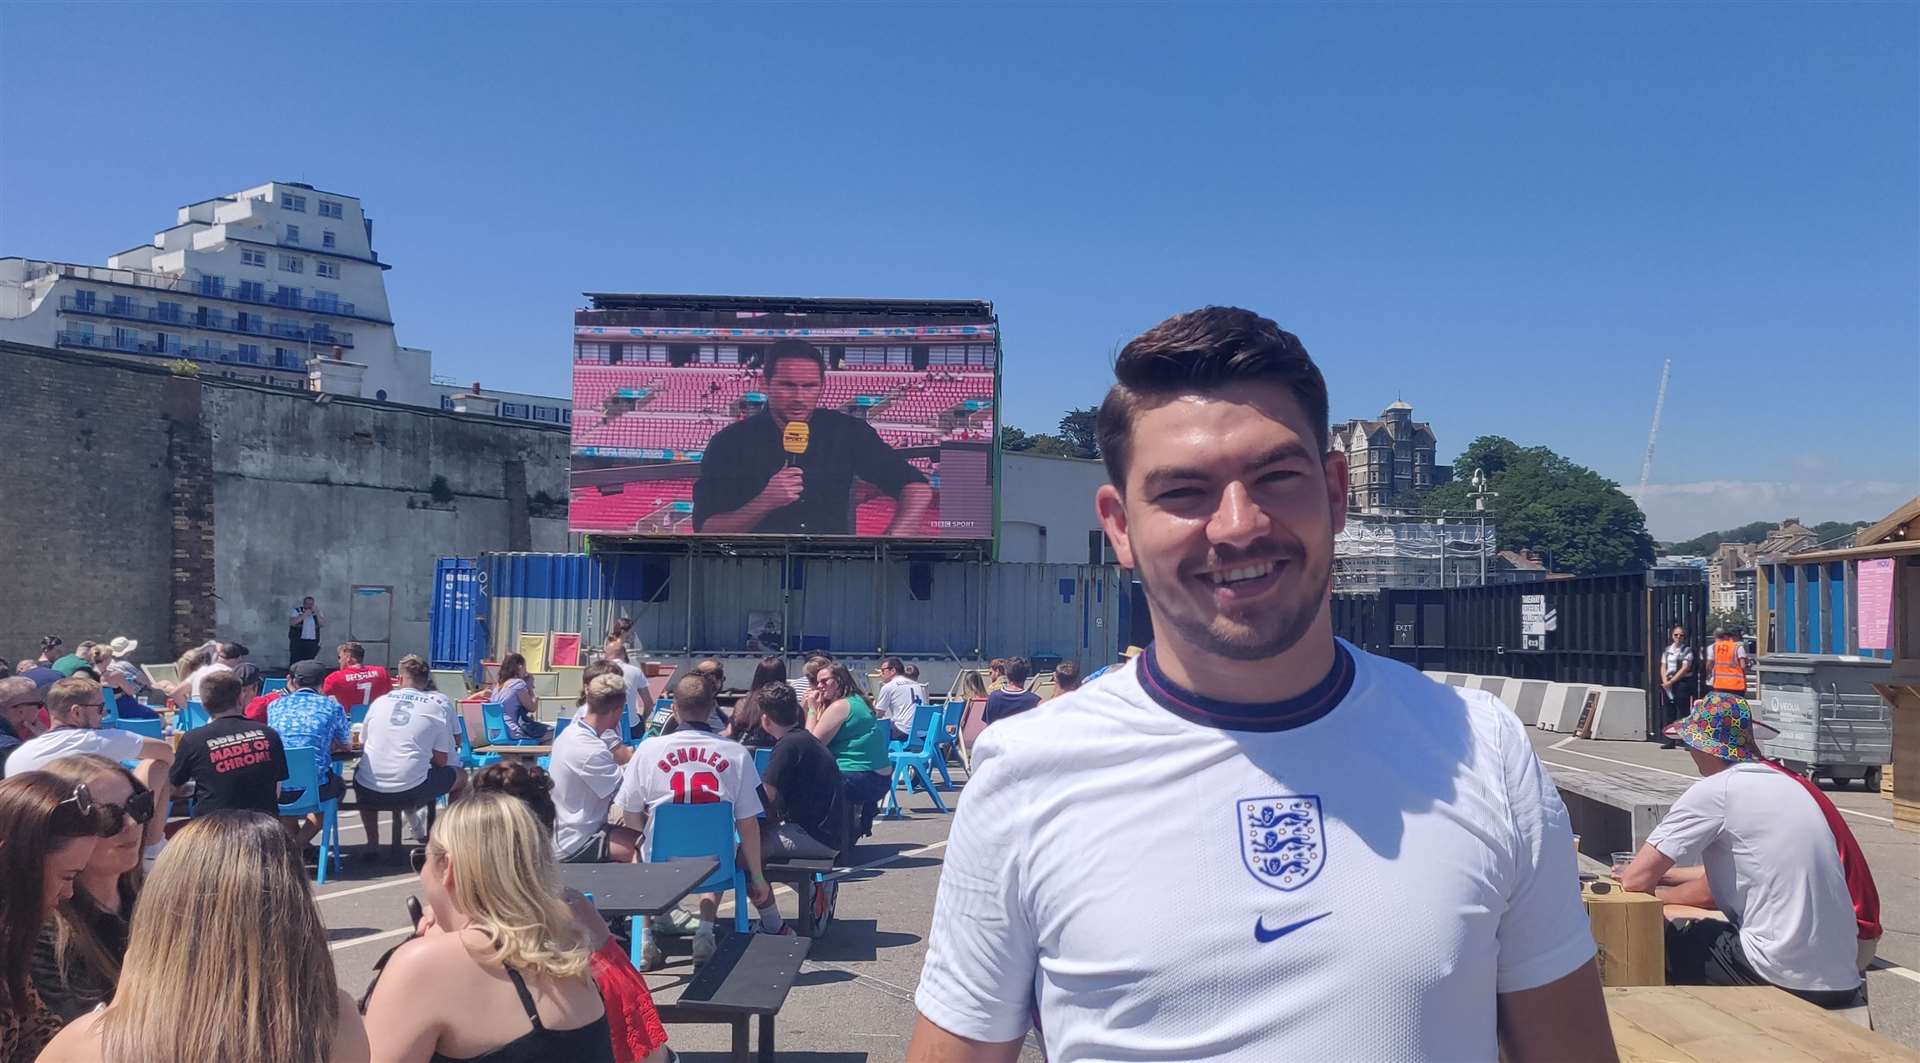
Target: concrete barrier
x: 1489, y: 683
x: 1560, y: 708
x: 1621, y: 715
x: 1525, y: 697
x: 1436, y: 676
x: 1456, y: 679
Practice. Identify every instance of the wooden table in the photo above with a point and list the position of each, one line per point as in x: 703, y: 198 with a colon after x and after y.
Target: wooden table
x: 638, y: 889
x: 1712, y: 1024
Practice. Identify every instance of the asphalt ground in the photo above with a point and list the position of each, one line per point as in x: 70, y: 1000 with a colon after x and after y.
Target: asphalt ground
x: 853, y: 1002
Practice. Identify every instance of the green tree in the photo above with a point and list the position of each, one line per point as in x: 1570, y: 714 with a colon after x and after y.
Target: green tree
x: 1012, y: 438
x: 1015, y: 440
x: 1580, y: 521
x: 1077, y: 429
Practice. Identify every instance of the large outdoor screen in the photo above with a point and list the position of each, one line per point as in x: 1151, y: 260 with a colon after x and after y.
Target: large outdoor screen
x: 735, y: 416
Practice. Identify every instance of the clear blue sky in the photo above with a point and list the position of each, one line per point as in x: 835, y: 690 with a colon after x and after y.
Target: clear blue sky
x: 1505, y: 214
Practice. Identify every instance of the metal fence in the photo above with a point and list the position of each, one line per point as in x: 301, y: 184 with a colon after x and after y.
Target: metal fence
x: 1607, y: 630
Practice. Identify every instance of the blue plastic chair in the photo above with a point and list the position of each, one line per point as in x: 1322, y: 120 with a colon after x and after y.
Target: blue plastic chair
x: 914, y: 763
x: 468, y: 758
x: 194, y: 715
x: 691, y: 831
x: 304, y: 776
x: 494, y: 715
x: 924, y: 717
x: 946, y: 737
x: 357, y: 714
x: 560, y: 725
x: 272, y: 686
x: 145, y: 728
x: 112, y: 718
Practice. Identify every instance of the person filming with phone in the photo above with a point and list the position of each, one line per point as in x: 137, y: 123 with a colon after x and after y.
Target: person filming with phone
x: 791, y: 467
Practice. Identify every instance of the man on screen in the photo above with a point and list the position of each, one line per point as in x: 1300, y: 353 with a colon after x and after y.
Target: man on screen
x: 790, y: 469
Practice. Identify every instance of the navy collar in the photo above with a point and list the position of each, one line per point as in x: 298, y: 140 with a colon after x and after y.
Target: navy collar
x: 1322, y: 698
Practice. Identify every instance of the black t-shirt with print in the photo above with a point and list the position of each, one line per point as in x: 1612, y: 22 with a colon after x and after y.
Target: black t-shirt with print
x: 806, y: 783
x: 233, y: 763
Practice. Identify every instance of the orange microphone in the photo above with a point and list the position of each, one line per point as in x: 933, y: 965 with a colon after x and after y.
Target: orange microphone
x: 794, y: 439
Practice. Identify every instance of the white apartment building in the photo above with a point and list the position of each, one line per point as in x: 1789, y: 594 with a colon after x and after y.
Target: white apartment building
x: 278, y: 283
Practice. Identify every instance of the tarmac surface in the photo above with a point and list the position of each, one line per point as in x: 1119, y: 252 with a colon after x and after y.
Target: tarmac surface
x: 854, y: 1000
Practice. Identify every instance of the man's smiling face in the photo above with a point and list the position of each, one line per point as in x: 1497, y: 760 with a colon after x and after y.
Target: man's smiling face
x: 1228, y: 516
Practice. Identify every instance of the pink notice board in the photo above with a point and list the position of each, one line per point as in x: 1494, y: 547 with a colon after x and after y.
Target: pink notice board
x: 1876, y: 603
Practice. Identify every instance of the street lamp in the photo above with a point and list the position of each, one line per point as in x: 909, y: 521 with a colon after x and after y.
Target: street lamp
x: 1480, y: 495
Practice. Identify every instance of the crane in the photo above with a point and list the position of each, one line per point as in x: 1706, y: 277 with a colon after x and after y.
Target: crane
x: 1653, y: 434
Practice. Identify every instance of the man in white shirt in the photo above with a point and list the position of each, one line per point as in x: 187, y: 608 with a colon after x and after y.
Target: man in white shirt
x: 1360, y: 864
x: 76, y: 708
x: 1768, y: 862
x: 693, y: 765
x: 303, y: 631
x: 898, y: 697
x: 636, y: 683
x: 586, y: 762
x: 409, y: 745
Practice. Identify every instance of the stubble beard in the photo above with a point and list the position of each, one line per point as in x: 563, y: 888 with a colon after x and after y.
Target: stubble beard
x: 1278, y: 631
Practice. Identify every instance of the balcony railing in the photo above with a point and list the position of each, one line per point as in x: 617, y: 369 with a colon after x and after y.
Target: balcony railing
x: 131, y: 311
x: 199, y: 352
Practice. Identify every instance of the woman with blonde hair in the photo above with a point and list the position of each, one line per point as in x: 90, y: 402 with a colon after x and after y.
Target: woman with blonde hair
x: 503, y: 970
x: 227, y: 960
x: 77, y: 960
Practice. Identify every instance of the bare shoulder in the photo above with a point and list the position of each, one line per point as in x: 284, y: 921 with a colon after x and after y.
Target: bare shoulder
x: 77, y: 1042
x: 350, y: 1044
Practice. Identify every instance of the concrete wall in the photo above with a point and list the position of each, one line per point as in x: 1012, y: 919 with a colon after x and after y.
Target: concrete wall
x: 1046, y: 507
x: 174, y: 509
x: 317, y: 498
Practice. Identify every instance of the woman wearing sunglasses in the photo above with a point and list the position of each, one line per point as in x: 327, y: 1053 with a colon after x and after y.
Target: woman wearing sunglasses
x: 48, y: 831
x: 226, y: 960
x: 77, y: 960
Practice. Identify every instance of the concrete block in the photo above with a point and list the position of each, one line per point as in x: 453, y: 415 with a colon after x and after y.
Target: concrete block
x: 1525, y: 697
x: 1456, y: 679
x: 1621, y: 715
x: 1438, y: 677
x: 1560, y: 709
x: 1489, y: 683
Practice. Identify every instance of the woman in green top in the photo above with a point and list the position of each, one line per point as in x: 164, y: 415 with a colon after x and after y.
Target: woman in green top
x: 841, y: 719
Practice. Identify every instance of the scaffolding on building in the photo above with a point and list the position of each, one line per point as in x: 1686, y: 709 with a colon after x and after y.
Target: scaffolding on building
x: 1376, y: 552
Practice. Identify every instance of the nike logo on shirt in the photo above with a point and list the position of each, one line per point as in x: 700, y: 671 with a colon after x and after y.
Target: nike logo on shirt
x: 1263, y: 935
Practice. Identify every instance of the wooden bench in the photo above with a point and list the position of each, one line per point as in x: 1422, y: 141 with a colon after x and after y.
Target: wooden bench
x: 748, y: 978
x: 1662, y: 1024
x: 1614, y: 811
x: 801, y: 875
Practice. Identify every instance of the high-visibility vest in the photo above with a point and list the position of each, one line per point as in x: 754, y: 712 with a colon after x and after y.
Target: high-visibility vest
x: 1727, y: 673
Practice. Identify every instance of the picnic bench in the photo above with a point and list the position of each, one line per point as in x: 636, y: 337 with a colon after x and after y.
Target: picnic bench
x: 803, y: 874
x: 1718, y: 1024
x: 1614, y: 811
x: 748, y: 978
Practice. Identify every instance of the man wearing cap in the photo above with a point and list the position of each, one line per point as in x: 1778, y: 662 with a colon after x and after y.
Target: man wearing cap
x: 306, y: 717
x: 20, y: 705
x: 1768, y: 861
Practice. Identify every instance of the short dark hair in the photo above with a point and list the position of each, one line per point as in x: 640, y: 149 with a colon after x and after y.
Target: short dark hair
x: 1066, y: 675
x: 794, y: 349
x: 1204, y: 350
x: 519, y: 777
x: 354, y: 650
x: 777, y: 703
x: 220, y: 693
x: 1019, y: 670
x: 894, y: 665
x: 232, y: 650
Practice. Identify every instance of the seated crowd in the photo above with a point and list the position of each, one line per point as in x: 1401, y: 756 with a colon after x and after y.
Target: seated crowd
x: 110, y: 955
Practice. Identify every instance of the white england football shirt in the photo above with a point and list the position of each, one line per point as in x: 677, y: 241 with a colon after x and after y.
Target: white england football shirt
x: 585, y: 778
x: 690, y: 766
x: 1352, y: 874
x: 404, y: 729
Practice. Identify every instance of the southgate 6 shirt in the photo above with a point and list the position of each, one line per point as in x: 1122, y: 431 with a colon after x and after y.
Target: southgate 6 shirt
x: 1353, y: 874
